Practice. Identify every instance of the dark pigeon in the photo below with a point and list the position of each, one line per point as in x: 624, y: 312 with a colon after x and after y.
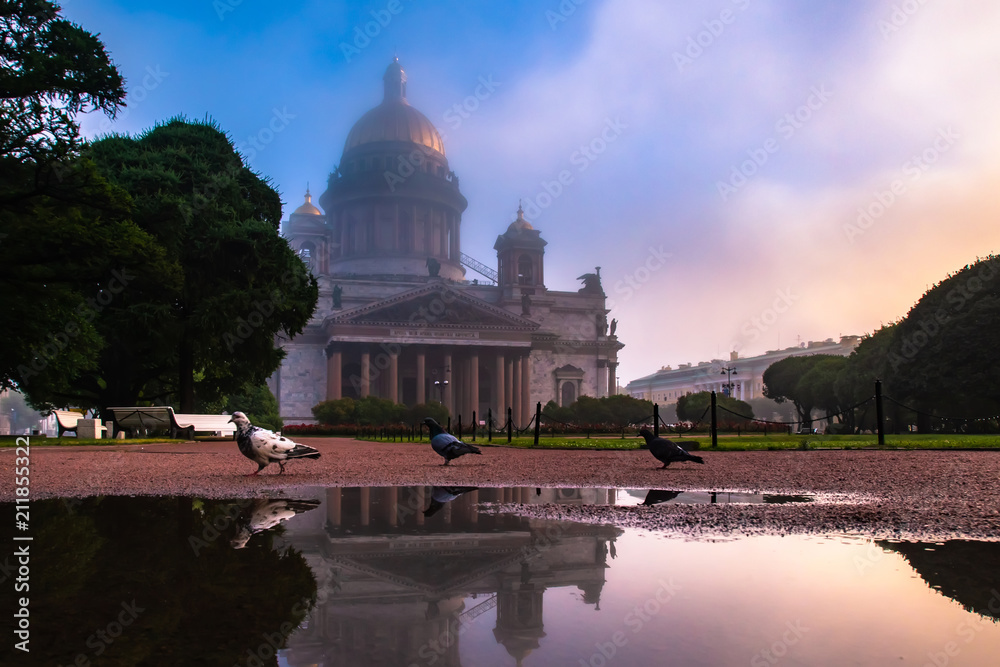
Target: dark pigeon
x: 441, y: 495
x: 665, y: 450
x: 446, y: 444
x: 264, y: 447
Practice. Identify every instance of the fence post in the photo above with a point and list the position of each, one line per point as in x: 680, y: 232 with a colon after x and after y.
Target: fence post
x: 715, y: 430
x: 475, y: 423
x: 489, y: 425
x: 459, y: 434
x: 510, y: 425
x: 656, y: 420
x: 879, y: 413
x: 449, y: 423
x: 538, y: 420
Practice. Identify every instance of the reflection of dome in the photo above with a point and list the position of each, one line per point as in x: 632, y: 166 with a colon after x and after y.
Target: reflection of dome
x: 394, y: 119
x: 307, y: 208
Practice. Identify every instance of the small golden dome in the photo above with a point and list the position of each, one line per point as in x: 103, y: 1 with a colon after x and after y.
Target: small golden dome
x: 307, y: 208
x: 519, y: 224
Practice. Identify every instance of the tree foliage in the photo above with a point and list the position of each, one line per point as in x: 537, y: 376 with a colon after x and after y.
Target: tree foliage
x: 692, y: 407
x: 64, y: 231
x: 51, y: 70
x: 783, y: 381
x: 943, y: 356
x: 615, y: 411
x: 239, y: 283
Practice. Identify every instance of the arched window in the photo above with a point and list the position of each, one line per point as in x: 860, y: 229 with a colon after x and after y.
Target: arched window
x: 525, y: 275
x: 568, y: 394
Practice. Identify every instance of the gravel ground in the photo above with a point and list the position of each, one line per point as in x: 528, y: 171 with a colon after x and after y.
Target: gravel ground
x: 913, y: 495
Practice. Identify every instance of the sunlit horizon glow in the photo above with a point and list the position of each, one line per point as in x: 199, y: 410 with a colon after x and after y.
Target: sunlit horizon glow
x: 888, y: 94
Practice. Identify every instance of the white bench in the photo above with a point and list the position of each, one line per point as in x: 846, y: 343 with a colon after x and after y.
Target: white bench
x: 216, y: 424
x: 144, y: 419
x: 66, y: 420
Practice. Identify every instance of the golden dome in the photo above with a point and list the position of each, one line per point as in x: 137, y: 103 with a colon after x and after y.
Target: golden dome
x: 520, y: 224
x: 394, y: 119
x: 307, y: 208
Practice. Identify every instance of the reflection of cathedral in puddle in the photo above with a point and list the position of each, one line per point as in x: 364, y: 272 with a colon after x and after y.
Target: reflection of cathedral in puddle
x: 398, y: 588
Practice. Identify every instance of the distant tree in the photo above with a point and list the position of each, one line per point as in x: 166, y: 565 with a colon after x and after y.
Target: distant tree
x: 856, y: 380
x: 783, y: 382
x: 820, y: 384
x: 730, y: 411
x: 417, y: 413
x: 336, y: 411
x: 375, y: 411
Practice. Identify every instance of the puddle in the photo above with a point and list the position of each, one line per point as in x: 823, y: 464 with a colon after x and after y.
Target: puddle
x: 418, y: 576
x: 660, y: 496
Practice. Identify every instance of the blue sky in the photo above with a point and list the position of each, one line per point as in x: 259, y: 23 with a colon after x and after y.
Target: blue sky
x: 747, y: 173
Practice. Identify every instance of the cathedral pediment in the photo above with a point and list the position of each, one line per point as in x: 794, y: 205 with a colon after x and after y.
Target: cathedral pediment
x: 434, y: 306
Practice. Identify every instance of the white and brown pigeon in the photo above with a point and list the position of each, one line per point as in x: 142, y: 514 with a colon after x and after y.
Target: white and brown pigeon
x: 264, y: 447
x: 265, y: 513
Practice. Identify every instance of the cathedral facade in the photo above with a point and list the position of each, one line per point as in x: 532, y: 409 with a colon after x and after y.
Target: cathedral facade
x: 398, y: 316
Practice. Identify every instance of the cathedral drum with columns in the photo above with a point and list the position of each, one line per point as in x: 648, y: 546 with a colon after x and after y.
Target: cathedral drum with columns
x: 398, y: 319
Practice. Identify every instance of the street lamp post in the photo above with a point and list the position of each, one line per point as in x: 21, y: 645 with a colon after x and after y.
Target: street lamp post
x: 729, y: 372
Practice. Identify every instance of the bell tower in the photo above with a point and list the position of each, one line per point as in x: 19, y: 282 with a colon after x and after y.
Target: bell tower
x: 520, y: 255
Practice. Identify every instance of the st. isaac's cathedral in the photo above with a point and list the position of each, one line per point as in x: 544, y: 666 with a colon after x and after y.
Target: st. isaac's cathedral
x: 400, y: 318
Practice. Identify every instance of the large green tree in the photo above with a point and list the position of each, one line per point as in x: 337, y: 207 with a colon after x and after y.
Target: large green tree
x: 65, y: 235
x: 943, y: 357
x: 240, y: 284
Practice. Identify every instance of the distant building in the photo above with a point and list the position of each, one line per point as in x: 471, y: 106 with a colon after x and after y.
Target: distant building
x: 397, y: 316
x: 666, y: 385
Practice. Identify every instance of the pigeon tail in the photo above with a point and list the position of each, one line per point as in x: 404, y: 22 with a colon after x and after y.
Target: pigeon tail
x: 696, y: 459
x: 303, y: 452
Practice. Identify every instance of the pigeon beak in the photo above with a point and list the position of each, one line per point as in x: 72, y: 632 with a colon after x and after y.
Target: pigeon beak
x: 230, y: 421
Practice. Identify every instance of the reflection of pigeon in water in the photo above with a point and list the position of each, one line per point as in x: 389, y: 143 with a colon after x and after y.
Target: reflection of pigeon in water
x: 265, y: 513
x: 665, y: 450
x: 440, y: 495
x: 263, y: 447
x: 446, y: 444
x: 657, y: 496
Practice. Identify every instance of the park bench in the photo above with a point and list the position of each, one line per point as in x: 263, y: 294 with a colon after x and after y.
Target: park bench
x: 66, y: 420
x: 142, y: 420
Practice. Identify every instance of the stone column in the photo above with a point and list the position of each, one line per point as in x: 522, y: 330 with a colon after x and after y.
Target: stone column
x: 393, y: 394
x: 499, y: 384
x: 509, y: 384
x: 421, y: 376
x: 514, y: 395
x: 448, y: 375
x: 366, y: 372
x: 333, y: 506
x: 334, y: 374
x: 526, y: 407
x: 366, y: 505
x: 473, y: 385
x: 612, y: 385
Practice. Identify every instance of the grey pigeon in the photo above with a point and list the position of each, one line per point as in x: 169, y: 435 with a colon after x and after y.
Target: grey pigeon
x: 446, y: 444
x: 264, y: 447
x: 665, y: 450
